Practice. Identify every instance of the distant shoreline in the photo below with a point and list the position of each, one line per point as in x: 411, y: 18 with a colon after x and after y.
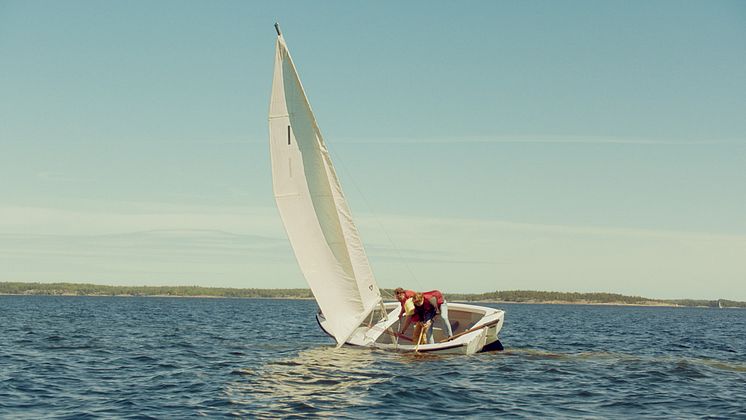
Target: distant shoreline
x: 559, y: 302
x: 158, y: 296
x: 650, y: 305
x: 310, y: 298
x: 531, y: 297
x: 526, y: 297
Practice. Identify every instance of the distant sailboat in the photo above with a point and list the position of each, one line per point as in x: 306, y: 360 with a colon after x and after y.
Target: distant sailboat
x: 326, y: 242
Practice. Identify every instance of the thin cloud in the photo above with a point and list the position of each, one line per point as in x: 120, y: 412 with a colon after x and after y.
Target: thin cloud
x: 117, y: 218
x: 134, y: 246
x: 544, y: 140
x: 59, y: 176
x: 444, y: 226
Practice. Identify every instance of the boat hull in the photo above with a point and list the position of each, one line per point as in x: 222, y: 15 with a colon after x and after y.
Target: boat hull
x: 475, y: 329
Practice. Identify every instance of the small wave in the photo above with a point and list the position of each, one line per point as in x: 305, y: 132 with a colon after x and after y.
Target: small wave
x: 242, y: 371
x: 625, y: 357
x: 54, y: 338
x: 142, y: 358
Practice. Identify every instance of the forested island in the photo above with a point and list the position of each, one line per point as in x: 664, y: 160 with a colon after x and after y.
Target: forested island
x: 508, y: 296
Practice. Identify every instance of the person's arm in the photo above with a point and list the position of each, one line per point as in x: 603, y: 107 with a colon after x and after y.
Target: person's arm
x: 407, y: 322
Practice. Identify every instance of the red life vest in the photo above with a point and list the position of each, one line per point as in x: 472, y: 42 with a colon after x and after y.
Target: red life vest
x: 436, y: 294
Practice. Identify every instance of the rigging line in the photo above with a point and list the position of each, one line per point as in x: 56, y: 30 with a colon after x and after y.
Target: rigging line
x: 389, y: 295
x: 338, y: 159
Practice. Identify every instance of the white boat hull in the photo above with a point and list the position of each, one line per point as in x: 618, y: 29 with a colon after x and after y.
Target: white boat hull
x: 483, y: 325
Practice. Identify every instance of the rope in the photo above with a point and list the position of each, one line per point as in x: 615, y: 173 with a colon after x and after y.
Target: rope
x: 487, y: 325
x: 398, y: 252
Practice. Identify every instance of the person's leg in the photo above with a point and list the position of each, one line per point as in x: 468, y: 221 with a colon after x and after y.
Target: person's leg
x: 417, y: 333
x: 430, y: 339
x: 405, y: 323
x: 444, y: 317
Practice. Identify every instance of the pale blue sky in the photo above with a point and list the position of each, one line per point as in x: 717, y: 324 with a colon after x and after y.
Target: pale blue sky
x: 574, y: 146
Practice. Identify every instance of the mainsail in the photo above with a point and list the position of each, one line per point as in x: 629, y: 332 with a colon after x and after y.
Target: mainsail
x: 313, y: 208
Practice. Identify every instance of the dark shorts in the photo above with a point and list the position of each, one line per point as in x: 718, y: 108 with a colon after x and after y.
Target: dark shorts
x: 427, y: 316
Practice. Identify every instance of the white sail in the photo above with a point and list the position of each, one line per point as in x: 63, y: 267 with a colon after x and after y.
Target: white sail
x: 313, y: 208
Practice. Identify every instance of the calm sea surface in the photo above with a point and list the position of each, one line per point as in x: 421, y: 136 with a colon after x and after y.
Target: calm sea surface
x: 88, y: 357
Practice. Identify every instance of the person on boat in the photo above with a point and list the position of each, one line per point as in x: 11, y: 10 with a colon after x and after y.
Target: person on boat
x: 402, y: 296
x: 428, y: 306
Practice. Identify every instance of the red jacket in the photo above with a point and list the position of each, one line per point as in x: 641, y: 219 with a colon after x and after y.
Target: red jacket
x: 436, y: 294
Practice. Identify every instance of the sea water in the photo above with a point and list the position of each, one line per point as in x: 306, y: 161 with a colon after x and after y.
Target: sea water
x: 90, y: 357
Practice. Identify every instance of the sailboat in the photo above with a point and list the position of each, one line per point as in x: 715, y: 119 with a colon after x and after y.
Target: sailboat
x: 327, y: 244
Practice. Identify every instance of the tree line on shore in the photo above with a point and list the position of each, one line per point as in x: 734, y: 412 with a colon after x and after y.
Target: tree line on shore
x: 81, y: 289
x: 517, y: 296
x: 531, y: 296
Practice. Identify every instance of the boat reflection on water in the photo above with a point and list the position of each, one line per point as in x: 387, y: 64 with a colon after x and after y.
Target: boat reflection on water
x: 318, y: 381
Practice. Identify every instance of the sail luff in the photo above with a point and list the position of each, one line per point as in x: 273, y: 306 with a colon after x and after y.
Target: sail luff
x: 313, y: 208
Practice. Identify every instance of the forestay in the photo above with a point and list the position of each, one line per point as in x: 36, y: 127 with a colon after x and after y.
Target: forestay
x: 313, y: 208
